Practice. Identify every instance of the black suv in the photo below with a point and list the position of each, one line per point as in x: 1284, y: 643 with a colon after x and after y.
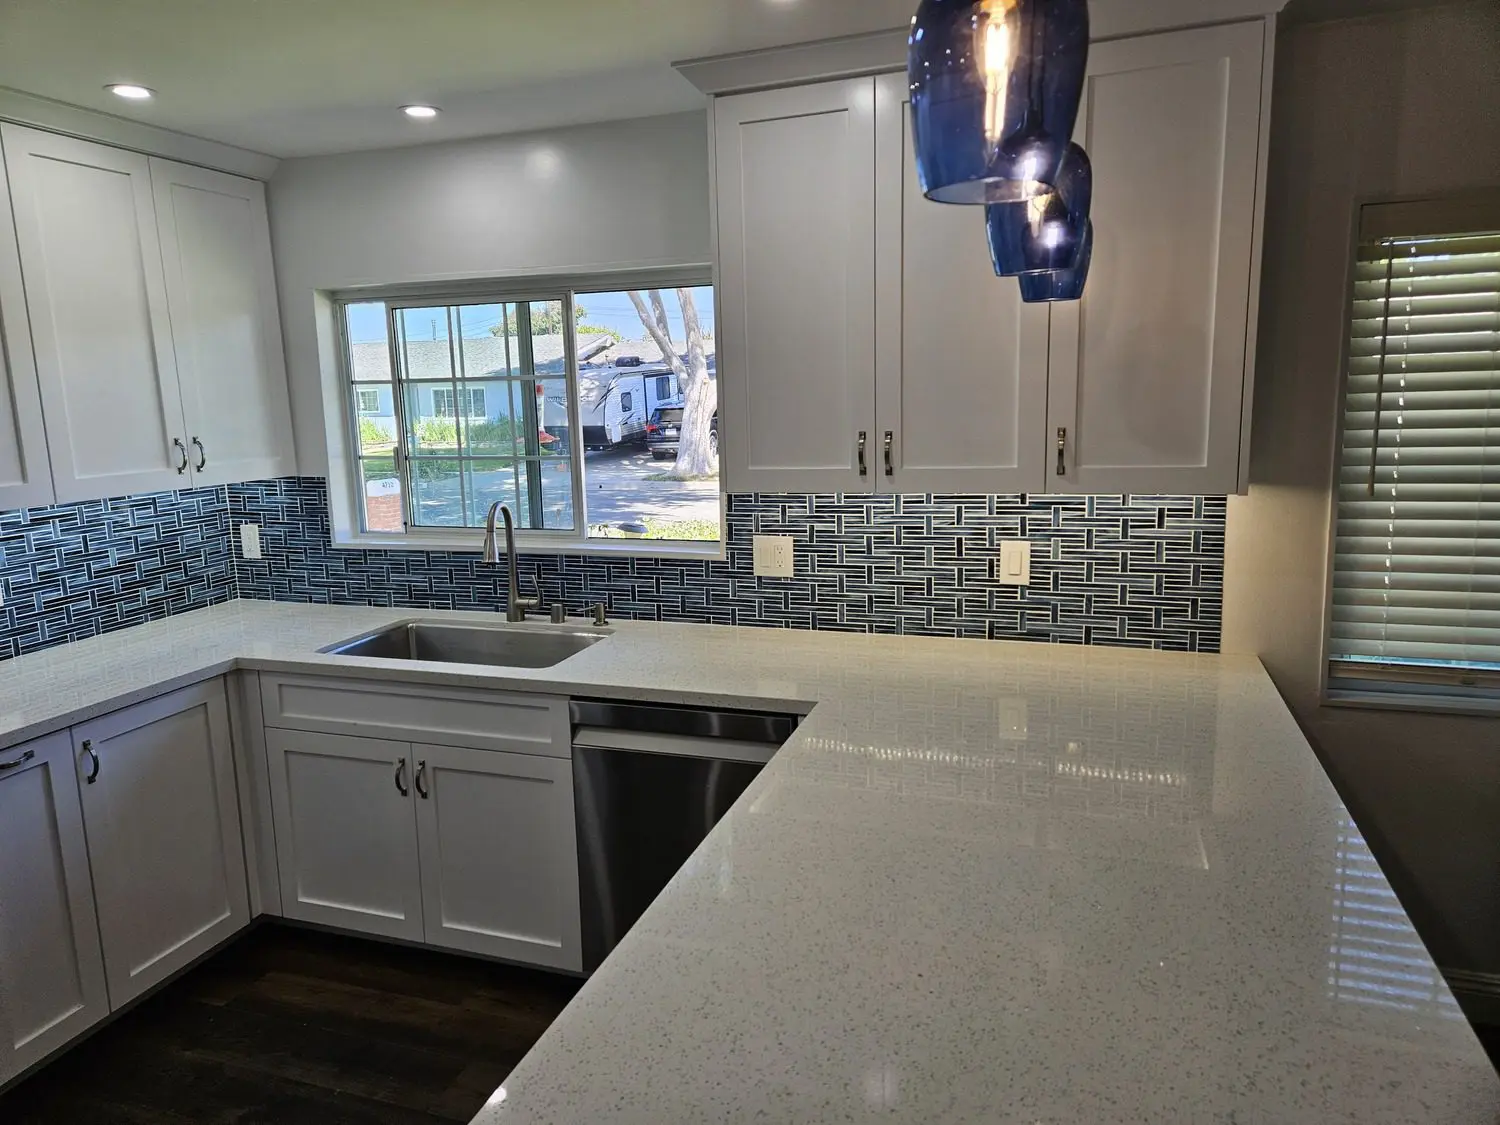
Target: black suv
x: 665, y: 428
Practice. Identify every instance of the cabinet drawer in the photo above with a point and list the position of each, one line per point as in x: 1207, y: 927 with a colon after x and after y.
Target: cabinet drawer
x: 485, y: 720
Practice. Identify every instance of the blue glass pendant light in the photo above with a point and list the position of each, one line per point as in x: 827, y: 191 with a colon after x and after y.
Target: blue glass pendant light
x: 1060, y: 285
x: 1045, y: 233
x: 995, y: 90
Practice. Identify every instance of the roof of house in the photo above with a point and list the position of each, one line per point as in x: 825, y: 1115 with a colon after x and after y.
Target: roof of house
x: 650, y: 355
x: 482, y: 356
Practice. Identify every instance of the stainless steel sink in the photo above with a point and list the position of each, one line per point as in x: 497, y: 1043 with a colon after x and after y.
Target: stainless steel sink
x: 469, y: 644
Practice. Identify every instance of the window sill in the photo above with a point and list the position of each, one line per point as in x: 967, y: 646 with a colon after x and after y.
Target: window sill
x: 1484, y: 706
x: 471, y: 540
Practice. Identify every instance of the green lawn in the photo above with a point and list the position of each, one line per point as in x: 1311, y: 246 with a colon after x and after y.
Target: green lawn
x: 682, y: 530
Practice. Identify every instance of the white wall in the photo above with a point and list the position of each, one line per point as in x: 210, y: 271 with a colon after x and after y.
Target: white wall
x: 628, y: 193
x: 1396, y: 105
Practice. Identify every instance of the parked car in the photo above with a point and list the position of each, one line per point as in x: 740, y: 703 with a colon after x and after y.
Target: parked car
x: 664, y: 430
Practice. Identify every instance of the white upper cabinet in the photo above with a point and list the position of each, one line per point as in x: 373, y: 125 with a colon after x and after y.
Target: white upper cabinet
x: 51, y: 971
x: 1149, y: 372
x: 225, y: 327
x: 954, y: 383
x: 958, y: 401
x: 795, y: 185
x: 148, y: 293
x: 25, y: 477
x: 91, y: 265
x: 161, y: 811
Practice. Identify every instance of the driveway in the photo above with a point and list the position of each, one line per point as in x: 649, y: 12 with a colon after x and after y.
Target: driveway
x: 616, y: 481
x: 618, y: 490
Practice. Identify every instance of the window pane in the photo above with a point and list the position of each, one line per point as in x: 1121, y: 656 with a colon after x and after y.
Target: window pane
x: 437, y: 487
x: 649, y: 416
x: 539, y: 493
x: 374, y: 404
x: 472, y: 418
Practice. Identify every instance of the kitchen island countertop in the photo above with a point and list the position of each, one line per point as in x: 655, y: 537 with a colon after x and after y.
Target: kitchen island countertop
x: 983, y: 882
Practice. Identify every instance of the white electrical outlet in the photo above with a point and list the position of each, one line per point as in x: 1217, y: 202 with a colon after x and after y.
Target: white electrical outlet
x: 250, y: 540
x: 1015, y: 563
x: 773, y: 556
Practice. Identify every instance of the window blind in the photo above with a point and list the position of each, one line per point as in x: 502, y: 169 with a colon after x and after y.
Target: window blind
x: 1416, y: 580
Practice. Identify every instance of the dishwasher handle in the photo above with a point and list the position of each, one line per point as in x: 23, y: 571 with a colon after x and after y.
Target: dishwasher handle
x: 674, y: 745
x: 649, y: 718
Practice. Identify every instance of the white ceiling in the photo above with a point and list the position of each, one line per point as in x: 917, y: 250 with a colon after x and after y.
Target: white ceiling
x: 294, y: 77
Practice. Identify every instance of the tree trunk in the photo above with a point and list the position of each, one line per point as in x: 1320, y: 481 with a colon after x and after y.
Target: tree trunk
x: 697, y: 455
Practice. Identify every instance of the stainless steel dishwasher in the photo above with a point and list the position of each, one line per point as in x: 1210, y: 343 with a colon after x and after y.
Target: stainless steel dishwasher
x: 648, y: 784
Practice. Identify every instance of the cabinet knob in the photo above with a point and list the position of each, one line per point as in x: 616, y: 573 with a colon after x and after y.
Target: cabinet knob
x: 1062, y: 451
x: 422, y: 773
x: 202, y: 457
x: 863, y: 438
x: 182, y: 465
x: 890, y: 469
x: 401, y: 778
x: 93, y: 774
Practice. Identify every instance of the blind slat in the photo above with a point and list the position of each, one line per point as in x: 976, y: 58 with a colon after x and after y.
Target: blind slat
x: 1417, y: 548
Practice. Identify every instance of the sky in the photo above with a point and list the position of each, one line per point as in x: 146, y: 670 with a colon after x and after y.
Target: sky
x: 608, y: 310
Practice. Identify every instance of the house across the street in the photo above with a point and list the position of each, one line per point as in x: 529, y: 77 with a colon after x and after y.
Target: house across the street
x: 620, y: 384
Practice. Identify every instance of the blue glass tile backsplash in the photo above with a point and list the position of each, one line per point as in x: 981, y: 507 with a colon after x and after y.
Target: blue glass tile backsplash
x: 1137, y: 571
x: 1140, y: 571
x: 76, y: 570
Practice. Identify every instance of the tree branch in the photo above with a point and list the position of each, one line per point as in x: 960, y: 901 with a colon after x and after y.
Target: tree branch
x: 657, y: 326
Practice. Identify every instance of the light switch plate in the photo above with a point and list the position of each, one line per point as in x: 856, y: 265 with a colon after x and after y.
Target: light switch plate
x: 773, y: 556
x: 1015, y: 563
x: 250, y: 540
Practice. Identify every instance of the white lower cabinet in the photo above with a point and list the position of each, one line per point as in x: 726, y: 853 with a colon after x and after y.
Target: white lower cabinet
x: 463, y: 848
x: 346, y: 835
x: 161, y: 813
x: 51, y: 970
x: 499, y: 854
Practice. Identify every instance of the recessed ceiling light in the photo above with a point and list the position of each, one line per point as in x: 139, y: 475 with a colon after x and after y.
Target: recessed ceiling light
x: 129, y: 90
x: 423, y: 111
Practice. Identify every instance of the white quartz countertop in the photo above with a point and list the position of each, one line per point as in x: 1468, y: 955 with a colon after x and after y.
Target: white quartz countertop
x: 984, y: 882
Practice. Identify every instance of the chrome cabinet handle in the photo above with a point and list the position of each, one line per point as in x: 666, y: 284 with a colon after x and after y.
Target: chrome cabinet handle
x: 1062, y: 451
x: 863, y: 471
x: 890, y: 469
x: 400, y: 776
x: 421, y: 773
x: 93, y: 774
x: 183, y: 464
x: 19, y: 762
x: 202, y: 457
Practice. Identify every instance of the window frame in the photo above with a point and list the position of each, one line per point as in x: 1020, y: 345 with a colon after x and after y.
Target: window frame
x: 1415, y: 687
x: 345, y: 477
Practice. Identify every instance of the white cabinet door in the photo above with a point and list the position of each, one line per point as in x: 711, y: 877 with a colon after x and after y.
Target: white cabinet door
x: 51, y: 973
x: 91, y: 264
x: 346, y: 832
x: 1148, y: 370
x: 499, y: 854
x: 226, y: 333
x: 961, y: 359
x: 162, y: 815
x: 25, y: 477
x: 795, y: 193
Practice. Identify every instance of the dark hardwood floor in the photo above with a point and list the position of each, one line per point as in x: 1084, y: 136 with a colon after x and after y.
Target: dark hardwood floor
x: 1489, y: 1035
x: 289, y: 1026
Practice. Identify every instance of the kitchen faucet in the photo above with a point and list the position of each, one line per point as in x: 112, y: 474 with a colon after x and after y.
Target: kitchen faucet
x: 516, y: 607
